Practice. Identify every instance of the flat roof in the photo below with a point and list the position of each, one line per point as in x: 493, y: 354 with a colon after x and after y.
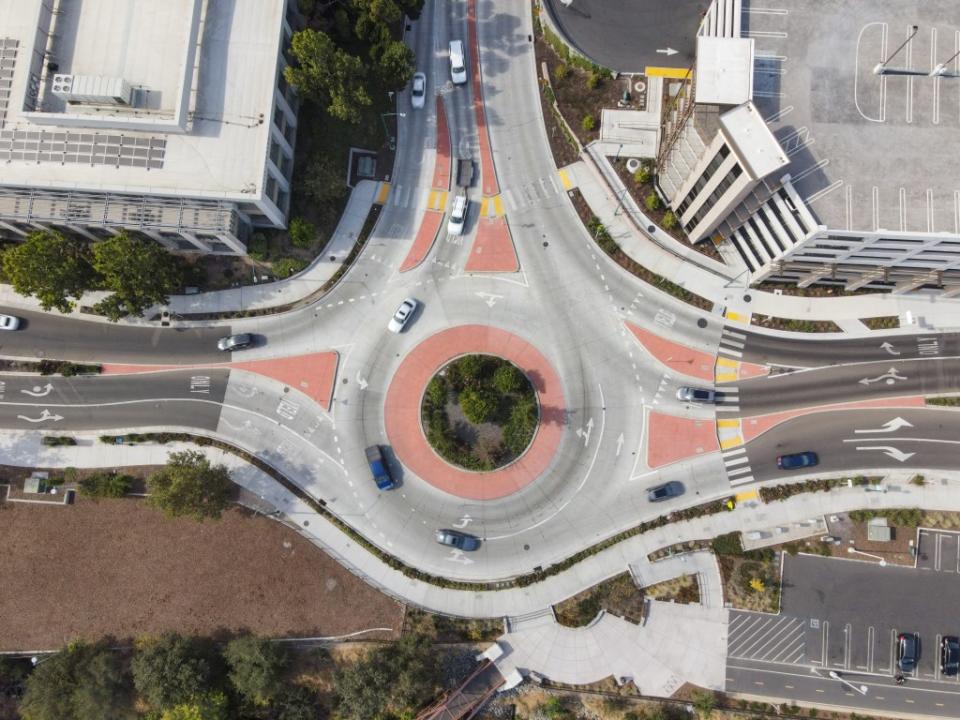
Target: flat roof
x: 724, y: 70
x: 867, y: 152
x: 755, y: 145
x: 223, y: 153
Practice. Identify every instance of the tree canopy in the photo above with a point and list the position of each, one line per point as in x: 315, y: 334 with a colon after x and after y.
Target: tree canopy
x: 188, y: 485
x: 172, y: 671
x: 51, y: 267
x: 141, y: 273
x: 81, y: 682
x: 256, y: 667
x: 328, y: 74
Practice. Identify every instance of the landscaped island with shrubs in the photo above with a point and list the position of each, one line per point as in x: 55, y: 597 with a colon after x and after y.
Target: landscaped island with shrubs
x: 480, y: 412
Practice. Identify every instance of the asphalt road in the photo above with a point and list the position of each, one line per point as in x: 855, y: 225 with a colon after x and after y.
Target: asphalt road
x: 53, y: 336
x: 845, y: 383
x: 625, y: 35
x: 861, y: 439
x: 802, y: 353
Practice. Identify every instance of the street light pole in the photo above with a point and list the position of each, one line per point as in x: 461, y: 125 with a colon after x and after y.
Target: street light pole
x: 383, y: 119
x: 941, y: 69
x: 862, y: 689
x: 881, y: 67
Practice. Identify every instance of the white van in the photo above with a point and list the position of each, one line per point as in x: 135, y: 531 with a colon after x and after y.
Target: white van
x: 458, y: 215
x: 458, y: 63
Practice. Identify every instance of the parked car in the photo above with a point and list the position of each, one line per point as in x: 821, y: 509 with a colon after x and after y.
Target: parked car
x: 418, y: 90
x: 659, y: 493
x: 908, y: 651
x: 402, y: 316
x: 795, y: 461
x: 235, y: 342
x: 700, y: 396
x: 379, y: 469
x: 9, y: 322
x: 458, y: 540
x: 458, y: 215
x: 458, y: 63
x: 949, y: 655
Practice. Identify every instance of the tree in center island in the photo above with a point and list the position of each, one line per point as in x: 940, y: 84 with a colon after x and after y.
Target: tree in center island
x: 188, y: 485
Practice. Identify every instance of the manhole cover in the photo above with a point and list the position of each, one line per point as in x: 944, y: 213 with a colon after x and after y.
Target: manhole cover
x: 702, y: 323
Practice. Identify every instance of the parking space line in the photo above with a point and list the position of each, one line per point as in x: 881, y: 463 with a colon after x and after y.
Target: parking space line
x: 823, y: 645
x: 776, y: 636
x: 763, y: 625
x: 764, y: 636
x: 936, y: 665
x: 870, y: 649
x: 847, y: 642
x: 792, y: 638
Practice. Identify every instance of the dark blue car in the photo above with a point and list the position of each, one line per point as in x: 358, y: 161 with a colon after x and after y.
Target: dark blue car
x: 795, y: 461
x: 381, y: 475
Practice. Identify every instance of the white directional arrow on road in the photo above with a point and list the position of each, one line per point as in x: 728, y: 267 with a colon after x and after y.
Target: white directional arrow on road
x: 889, y: 348
x: 39, y: 391
x: 889, y: 426
x: 619, y: 444
x: 891, y: 452
x: 361, y: 381
x: 585, y: 434
x: 667, y: 51
x: 890, y: 377
x: 462, y: 522
x: 44, y: 415
x: 489, y: 298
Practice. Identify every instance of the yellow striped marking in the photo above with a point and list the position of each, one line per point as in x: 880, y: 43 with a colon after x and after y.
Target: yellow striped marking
x: 497, y: 206
x: 668, y: 72
x: 747, y: 495
x: 484, y: 203
x: 728, y: 422
x: 441, y: 201
x: 726, y: 377
x: 727, y: 362
x: 383, y: 194
x: 737, y: 317
x: 731, y: 442
x: 565, y: 179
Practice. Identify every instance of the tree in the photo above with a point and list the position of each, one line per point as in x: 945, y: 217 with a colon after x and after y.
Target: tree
x: 172, y: 670
x: 388, y: 681
x: 302, y: 232
x: 375, y: 16
x: 106, y: 484
x: 704, y: 703
x: 81, y: 682
x: 256, y: 666
x: 508, y: 379
x: 209, y: 706
x: 141, y: 273
x: 519, y: 428
x: 323, y: 183
x: 395, y: 63
x: 51, y: 267
x: 188, y: 485
x: 476, y: 405
x: 296, y: 702
x: 328, y: 74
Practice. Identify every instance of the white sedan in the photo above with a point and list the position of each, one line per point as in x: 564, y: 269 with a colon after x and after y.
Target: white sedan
x: 9, y: 322
x: 418, y: 90
x: 402, y: 316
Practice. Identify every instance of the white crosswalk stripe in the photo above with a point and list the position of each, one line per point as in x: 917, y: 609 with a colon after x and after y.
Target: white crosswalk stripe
x: 728, y: 400
x: 732, y: 343
x: 737, y: 465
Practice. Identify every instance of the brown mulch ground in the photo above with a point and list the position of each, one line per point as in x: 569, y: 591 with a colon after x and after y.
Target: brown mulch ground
x: 118, y: 567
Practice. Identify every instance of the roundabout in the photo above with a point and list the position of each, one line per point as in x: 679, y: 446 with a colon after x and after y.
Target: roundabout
x: 405, y: 396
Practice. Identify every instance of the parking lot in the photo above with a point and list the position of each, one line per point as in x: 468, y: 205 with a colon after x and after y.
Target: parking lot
x: 845, y: 615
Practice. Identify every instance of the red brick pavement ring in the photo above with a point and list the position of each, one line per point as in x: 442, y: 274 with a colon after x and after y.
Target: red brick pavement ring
x: 402, y: 412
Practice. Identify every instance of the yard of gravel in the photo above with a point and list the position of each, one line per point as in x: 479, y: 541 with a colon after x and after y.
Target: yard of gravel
x: 120, y: 568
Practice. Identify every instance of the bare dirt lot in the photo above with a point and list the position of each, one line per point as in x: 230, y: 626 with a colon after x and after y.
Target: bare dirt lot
x: 117, y: 567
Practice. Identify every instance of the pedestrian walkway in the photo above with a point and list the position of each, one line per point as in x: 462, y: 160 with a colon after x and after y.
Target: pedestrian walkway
x: 701, y: 564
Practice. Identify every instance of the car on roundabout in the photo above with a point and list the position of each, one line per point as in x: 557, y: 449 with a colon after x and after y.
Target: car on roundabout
x: 9, y: 322
x: 403, y: 314
x: 235, y: 342
x: 659, y: 493
x: 700, y: 396
x: 418, y: 90
x: 797, y: 461
x: 457, y: 540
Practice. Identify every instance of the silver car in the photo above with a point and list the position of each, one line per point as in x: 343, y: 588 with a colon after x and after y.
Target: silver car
x: 458, y: 540
x: 418, y: 90
x: 9, y: 322
x: 701, y: 396
x: 235, y: 342
x: 402, y: 316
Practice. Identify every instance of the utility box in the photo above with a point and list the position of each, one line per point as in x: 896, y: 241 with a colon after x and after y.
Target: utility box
x: 92, y: 90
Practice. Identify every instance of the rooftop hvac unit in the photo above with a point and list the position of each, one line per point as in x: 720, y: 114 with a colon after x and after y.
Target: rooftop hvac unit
x: 92, y: 89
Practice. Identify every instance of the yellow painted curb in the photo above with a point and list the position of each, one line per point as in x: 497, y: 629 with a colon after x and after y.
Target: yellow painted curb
x: 497, y: 206
x: 483, y: 206
x: 728, y: 423
x: 737, y: 317
x: 668, y: 72
x: 727, y: 362
x: 565, y: 179
x: 748, y: 495
x: 726, y: 377
x: 731, y: 443
x: 383, y: 194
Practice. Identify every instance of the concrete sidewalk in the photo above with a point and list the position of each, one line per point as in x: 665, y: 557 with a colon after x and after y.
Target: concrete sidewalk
x: 248, y: 297
x: 658, y: 251
x: 701, y: 564
x: 940, y: 493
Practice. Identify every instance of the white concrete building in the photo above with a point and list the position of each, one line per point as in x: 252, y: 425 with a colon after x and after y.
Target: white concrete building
x: 818, y: 140
x: 168, y: 118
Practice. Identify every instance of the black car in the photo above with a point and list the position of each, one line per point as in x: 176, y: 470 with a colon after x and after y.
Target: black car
x: 949, y: 655
x: 659, y: 493
x: 458, y: 540
x: 235, y: 342
x: 794, y: 461
x: 908, y: 651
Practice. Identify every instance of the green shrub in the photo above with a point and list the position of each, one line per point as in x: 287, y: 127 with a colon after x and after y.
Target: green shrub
x: 285, y: 267
x: 521, y: 426
x: 561, y: 71
x: 588, y: 123
x: 302, y: 233
x: 549, y: 94
x: 728, y: 544
x: 652, y: 201
x: 437, y: 391
x: 508, y: 379
x: 669, y: 220
x: 57, y: 440
x: 257, y: 248
x: 642, y: 175
x: 593, y: 80
x: 477, y: 406
x: 106, y: 485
